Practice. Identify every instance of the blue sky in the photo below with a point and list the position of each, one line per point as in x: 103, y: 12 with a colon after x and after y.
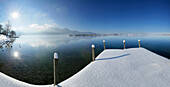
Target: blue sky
x: 107, y: 16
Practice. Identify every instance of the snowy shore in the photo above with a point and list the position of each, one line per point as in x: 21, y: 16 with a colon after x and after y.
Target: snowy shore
x: 135, y: 67
x: 6, y: 81
x: 3, y: 39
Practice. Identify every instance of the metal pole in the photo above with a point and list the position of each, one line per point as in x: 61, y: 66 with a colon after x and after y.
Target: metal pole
x: 124, y: 43
x: 55, y: 68
x: 139, y: 43
x: 93, y: 54
x: 104, y: 44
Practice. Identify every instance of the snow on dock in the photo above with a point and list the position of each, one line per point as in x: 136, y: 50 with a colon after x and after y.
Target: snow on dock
x: 136, y: 67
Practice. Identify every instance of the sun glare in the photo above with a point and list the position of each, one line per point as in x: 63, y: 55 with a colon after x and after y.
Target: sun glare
x: 15, y: 15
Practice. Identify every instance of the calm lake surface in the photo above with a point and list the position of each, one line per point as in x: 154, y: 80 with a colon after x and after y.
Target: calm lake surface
x: 30, y: 58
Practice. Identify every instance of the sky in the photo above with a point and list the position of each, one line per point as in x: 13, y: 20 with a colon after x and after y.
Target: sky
x: 101, y: 16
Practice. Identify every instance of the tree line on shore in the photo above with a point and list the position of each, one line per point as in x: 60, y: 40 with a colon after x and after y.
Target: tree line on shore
x: 7, y: 30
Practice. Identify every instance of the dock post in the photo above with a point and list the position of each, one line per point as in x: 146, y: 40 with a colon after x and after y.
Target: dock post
x: 124, y: 43
x: 55, y: 68
x: 104, y: 44
x: 93, y: 54
x: 139, y: 43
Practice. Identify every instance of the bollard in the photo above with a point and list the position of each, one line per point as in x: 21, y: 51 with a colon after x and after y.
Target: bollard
x: 55, y: 68
x: 139, y: 43
x: 124, y: 43
x: 93, y: 54
x: 104, y: 44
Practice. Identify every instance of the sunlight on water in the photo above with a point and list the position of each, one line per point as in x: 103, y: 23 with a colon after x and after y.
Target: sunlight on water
x: 16, y: 54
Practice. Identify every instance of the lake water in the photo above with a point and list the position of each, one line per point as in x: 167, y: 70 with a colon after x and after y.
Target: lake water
x: 30, y: 58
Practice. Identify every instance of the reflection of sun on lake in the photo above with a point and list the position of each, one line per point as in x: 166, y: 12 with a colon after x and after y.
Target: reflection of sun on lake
x: 16, y: 54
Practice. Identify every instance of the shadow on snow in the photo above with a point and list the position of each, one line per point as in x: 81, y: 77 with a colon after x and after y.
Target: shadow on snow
x: 113, y: 57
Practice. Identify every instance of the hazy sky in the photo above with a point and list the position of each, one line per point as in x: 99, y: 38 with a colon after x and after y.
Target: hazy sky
x: 88, y: 15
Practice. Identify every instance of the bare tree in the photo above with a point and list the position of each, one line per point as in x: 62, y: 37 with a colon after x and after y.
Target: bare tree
x: 8, y: 28
x: 12, y: 33
x: 1, y: 29
x: 4, y: 32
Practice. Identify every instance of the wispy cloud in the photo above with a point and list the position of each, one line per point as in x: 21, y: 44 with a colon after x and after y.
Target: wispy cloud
x: 44, y: 26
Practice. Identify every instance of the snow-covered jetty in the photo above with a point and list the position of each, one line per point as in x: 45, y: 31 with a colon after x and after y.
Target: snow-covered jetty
x: 135, y: 67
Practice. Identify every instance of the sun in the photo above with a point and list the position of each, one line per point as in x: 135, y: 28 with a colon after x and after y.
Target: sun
x: 15, y: 15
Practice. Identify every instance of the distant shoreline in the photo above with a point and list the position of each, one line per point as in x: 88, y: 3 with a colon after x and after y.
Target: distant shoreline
x: 94, y: 35
x: 116, y: 34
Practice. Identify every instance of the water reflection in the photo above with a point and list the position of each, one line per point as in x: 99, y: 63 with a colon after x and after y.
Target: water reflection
x: 29, y: 58
x: 48, y: 40
x: 16, y: 55
x: 8, y: 44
